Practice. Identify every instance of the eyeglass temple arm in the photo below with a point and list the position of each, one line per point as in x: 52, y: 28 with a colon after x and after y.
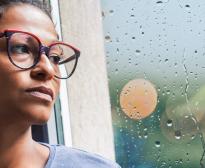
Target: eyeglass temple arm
x: 70, y: 58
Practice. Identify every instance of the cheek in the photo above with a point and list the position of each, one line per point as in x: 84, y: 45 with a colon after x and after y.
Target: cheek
x: 11, y: 83
x: 12, y: 80
x: 7, y: 83
x: 9, y: 74
x: 8, y: 98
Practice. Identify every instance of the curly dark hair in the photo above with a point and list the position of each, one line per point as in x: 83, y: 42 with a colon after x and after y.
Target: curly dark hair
x: 41, y: 4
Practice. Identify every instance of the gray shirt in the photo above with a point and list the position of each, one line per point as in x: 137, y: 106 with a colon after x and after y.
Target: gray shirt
x: 64, y: 157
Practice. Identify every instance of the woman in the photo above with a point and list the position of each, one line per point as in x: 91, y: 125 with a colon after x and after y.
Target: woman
x: 30, y: 57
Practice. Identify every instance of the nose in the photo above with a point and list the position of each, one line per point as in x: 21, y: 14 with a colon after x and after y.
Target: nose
x: 43, y: 70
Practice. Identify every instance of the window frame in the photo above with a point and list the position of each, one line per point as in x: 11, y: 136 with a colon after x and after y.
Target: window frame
x: 61, y: 118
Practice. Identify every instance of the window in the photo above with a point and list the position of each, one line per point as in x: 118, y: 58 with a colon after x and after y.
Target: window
x: 155, y: 56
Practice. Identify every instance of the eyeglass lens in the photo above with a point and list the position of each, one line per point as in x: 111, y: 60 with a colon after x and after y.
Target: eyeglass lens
x: 24, y: 52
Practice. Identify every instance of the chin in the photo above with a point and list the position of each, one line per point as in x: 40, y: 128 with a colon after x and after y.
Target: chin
x: 37, y: 115
x: 39, y: 120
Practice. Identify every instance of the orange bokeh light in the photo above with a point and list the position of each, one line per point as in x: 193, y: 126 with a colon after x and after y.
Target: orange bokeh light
x: 138, y: 99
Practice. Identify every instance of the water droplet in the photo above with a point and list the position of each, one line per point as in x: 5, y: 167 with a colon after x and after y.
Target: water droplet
x: 193, y: 136
x: 118, y: 50
x: 111, y: 11
x: 168, y: 92
x: 159, y: 2
x: 169, y: 123
x: 116, y: 61
x: 103, y: 14
x: 116, y: 71
x: 178, y: 134
x: 138, y: 52
x: 108, y: 38
x: 157, y: 144
x: 145, y: 135
x: 166, y: 60
x: 187, y: 6
x: 180, y: 161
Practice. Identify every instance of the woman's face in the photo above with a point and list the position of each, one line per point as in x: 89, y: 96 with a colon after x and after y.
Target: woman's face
x: 27, y: 96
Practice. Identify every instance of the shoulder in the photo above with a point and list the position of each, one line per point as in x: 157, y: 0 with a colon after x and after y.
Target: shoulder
x: 75, y: 158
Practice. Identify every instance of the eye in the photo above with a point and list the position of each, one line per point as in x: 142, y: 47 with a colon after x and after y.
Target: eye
x: 19, y: 49
x: 55, y: 59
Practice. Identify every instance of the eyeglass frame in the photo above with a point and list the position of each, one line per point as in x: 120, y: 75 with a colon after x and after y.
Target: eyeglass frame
x: 42, y: 49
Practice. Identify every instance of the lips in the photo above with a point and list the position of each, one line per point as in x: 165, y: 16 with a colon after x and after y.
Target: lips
x: 41, y: 92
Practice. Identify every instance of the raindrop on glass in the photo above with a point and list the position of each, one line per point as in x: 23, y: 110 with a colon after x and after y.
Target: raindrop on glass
x: 187, y: 6
x: 117, y: 50
x: 108, y: 38
x: 157, y: 144
x: 138, y: 52
x: 193, y: 136
x: 166, y: 60
x: 103, y: 14
x: 178, y: 134
x: 111, y: 11
x: 116, y: 61
x: 159, y: 2
x: 145, y: 135
x: 168, y: 92
x: 169, y: 123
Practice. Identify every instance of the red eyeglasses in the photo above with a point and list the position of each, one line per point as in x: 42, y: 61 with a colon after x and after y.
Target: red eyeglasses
x: 25, y: 49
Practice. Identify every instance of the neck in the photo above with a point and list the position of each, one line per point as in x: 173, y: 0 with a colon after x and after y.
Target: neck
x: 17, y: 149
x: 13, y: 134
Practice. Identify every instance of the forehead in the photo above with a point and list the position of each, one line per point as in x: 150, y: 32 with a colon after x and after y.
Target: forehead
x: 30, y: 19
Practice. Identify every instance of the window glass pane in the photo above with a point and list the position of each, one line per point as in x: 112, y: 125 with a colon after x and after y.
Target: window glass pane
x: 40, y: 133
x: 155, y: 57
x: 58, y: 120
